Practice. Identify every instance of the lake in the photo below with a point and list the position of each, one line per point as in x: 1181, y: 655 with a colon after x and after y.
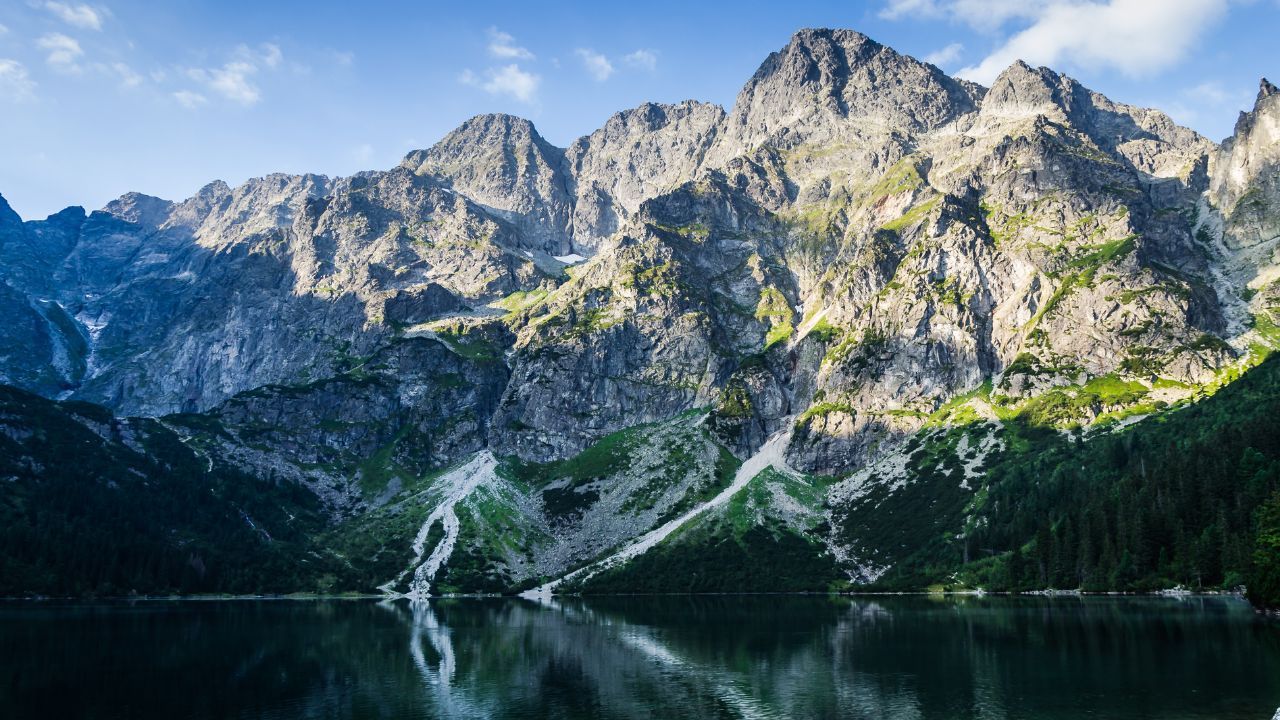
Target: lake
x: 665, y: 657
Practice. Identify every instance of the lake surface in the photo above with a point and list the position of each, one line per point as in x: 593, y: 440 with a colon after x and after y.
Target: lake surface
x: 667, y: 657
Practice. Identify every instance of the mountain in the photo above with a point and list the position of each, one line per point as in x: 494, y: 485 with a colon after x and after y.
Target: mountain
x: 860, y: 292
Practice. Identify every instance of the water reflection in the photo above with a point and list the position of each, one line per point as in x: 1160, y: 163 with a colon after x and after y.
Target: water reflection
x: 712, y: 657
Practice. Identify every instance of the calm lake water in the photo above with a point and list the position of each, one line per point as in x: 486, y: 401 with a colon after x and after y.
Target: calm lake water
x: 670, y: 657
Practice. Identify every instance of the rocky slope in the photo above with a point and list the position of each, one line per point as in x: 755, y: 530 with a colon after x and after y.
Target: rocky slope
x: 862, y: 253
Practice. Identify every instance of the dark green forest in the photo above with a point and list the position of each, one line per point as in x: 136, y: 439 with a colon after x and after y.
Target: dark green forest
x: 1188, y: 497
x: 130, y: 508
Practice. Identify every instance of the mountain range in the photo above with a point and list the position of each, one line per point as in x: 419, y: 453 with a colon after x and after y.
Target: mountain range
x: 866, y: 328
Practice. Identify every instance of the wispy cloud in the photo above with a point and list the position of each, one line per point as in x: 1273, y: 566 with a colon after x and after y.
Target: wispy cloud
x: 642, y: 59
x: 81, y: 15
x: 234, y: 80
x: 362, y: 153
x: 15, y: 84
x: 945, y: 56
x: 1203, y: 103
x: 121, y: 71
x: 503, y: 45
x: 597, y: 65
x: 509, y: 80
x: 982, y: 15
x: 64, y: 52
x: 190, y: 99
x: 898, y: 9
x: 271, y: 55
x: 3, y: 29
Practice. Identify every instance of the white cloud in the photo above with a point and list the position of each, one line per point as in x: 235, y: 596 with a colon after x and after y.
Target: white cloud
x: 3, y: 29
x: 991, y: 15
x: 232, y: 82
x: 1131, y: 36
x: 643, y: 59
x: 81, y: 16
x: 984, y: 15
x: 507, y: 80
x: 1203, y: 105
x: 598, y: 66
x: 945, y: 56
x: 271, y: 55
x: 362, y: 153
x: 15, y: 84
x: 63, y: 52
x: 343, y: 58
x: 128, y: 78
x: 1214, y: 95
x: 898, y: 9
x: 502, y: 45
x: 190, y: 99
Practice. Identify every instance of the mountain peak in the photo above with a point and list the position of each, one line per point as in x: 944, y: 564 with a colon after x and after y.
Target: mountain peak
x: 1266, y: 90
x: 478, y: 135
x: 136, y: 207
x: 809, y: 90
x: 844, y: 36
x: 1022, y: 88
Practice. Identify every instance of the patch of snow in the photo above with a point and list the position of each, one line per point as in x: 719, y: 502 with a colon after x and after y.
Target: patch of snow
x: 570, y: 259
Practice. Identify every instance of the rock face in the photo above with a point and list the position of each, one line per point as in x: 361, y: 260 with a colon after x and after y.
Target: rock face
x: 1246, y: 179
x: 857, y: 244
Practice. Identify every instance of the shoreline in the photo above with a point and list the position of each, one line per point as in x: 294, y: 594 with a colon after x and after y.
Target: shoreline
x: 516, y: 596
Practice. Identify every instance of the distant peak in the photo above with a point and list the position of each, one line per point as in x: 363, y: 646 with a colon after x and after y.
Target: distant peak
x: 139, y: 208
x: 71, y: 213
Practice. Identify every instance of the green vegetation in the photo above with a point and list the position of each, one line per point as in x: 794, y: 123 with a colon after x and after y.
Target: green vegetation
x: 913, y: 215
x: 774, y: 308
x: 736, y: 548
x: 470, y: 345
x: 522, y: 300
x: 857, y: 350
x: 1081, y: 270
x: 1172, y: 500
x: 777, y: 334
x: 823, y: 409
x: 1264, y: 578
x: 904, y: 176
x: 773, y: 305
x: 83, y: 516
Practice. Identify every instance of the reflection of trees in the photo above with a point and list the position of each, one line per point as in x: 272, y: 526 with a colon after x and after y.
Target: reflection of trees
x: 676, y: 657
x: 762, y: 657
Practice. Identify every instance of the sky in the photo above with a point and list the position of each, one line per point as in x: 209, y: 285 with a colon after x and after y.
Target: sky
x: 102, y: 98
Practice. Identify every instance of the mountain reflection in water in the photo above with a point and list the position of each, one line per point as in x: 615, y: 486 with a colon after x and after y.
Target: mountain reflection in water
x: 678, y: 657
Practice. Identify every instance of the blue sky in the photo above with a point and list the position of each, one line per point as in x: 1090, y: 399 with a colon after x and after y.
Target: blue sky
x: 101, y: 98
